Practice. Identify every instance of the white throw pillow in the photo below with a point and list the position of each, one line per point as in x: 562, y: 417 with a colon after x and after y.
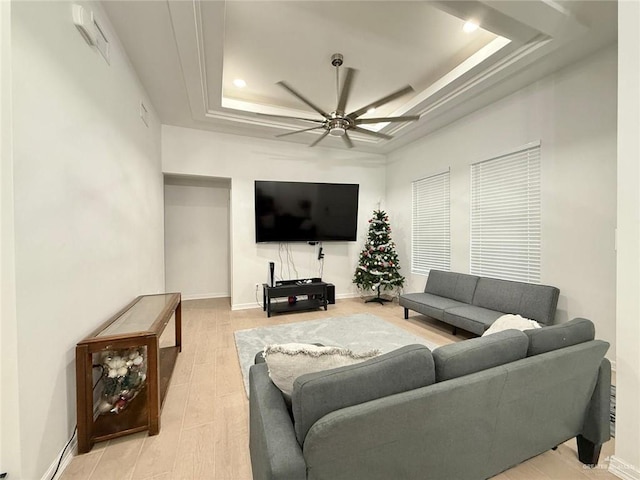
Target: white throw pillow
x: 288, y: 361
x: 510, y: 321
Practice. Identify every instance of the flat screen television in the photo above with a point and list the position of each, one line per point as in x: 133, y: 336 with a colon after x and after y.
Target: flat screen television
x: 305, y: 212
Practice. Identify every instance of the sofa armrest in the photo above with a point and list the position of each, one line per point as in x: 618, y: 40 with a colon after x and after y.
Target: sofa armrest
x: 597, y: 422
x: 596, y: 429
x: 275, y: 452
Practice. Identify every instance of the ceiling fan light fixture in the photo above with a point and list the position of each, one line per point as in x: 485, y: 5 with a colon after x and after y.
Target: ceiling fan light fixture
x: 338, y: 127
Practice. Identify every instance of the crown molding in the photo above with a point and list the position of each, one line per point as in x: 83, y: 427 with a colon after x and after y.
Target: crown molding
x: 543, y: 26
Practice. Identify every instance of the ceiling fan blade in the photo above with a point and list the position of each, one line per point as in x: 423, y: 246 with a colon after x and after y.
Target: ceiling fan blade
x: 406, y: 118
x: 285, y: 117
x: 300, y: 97
x: 346, y: 89
x: 326, y: 132
x: 370, y: 132
x: 347, y: 140
x: 299, y: 131
x: 382, y: 101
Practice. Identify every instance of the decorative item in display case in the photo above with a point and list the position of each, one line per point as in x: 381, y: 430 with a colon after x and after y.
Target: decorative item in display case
x: 124, y: 375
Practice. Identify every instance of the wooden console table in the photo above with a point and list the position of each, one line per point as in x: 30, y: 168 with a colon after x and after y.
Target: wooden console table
x: 137, y: 328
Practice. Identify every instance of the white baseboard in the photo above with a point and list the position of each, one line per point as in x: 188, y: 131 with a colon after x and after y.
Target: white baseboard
x: 622, y: 469
x: 347, y: 295
x: 245, y: 306
x: 64, y: 463
x: 203, y: 296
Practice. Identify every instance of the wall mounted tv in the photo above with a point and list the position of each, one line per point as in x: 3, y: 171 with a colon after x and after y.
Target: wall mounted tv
x: 305, y: 212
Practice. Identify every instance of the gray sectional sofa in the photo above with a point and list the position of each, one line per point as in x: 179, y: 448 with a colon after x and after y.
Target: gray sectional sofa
x: 473, y: 303
x: 468, y: 410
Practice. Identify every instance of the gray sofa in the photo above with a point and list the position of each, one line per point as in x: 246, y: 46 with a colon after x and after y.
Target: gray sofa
x: 473, y: 303
x: 468, y: 410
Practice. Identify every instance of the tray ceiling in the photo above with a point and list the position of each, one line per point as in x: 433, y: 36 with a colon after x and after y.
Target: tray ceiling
x: 188, y: 55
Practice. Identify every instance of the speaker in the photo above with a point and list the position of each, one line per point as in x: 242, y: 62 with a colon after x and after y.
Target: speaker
x: 331, y: 293
x: 272, y: 268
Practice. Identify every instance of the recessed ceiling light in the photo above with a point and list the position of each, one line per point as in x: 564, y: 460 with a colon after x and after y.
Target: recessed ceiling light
x: 470, y: 27
x: 240, y: 83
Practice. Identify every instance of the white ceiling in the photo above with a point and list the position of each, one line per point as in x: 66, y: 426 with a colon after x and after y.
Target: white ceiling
x: 188, y: 53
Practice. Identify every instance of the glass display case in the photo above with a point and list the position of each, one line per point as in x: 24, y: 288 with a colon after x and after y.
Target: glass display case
x: 122, y: 373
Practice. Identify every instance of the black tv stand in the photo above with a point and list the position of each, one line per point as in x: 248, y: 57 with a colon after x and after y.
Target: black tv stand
x: 315, y: 290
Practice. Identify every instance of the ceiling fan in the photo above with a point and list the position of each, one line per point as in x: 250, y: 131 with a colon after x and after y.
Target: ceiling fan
x: 338, y: 122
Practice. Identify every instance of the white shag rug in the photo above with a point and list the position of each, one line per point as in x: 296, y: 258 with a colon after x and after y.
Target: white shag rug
x: 359, y: 333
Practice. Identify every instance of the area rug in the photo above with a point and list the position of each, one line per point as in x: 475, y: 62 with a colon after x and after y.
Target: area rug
x: 359, y: 332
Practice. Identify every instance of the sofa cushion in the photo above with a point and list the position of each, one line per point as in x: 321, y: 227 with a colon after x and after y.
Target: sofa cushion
x: 546, y: 339
x: 537, y: 302
x: 428, y: 303
x: 457, y: 286
x: 471, y: 318
x: 288, y: 361
x: 476, y: 354
x: 317, y: 394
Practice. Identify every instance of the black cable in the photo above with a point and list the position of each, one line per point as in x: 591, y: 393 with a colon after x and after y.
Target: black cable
x: 101, y: 367
x: 280, y: 249
x: 258, y: 301
x: 293, y: 263
x: 290, y: 261
x: 321, y: 260
x: 280, y: 258
x: 75, y: 429
x: 284, y: 248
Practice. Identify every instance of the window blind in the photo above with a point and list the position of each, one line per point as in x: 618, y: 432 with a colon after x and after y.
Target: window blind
x: 505, y: 216
x: 430, y: 231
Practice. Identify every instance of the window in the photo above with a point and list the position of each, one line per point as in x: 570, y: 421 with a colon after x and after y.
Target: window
x: 430, y: 233
x: 505, y: 216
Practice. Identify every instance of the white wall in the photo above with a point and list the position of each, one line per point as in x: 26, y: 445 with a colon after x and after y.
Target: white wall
x: 573, y: 114
x: 9, y: 401
x: 88, y: 210
x: 196, y: 237
x: 194, y: 152
x: 626, y: 461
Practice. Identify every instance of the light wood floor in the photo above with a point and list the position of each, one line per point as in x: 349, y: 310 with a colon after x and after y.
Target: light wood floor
x: 204, y: 430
